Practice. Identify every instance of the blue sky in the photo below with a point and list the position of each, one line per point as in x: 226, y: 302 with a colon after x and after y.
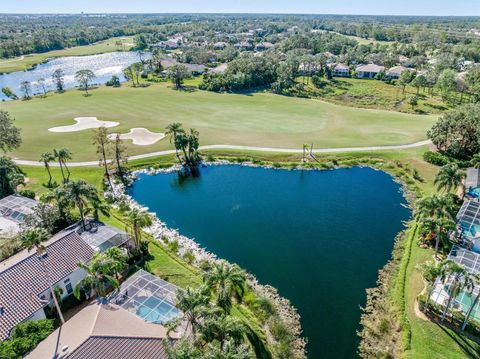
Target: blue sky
x: 395, y: 7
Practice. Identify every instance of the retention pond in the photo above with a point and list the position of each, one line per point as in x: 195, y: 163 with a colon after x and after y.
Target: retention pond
x: 320, y: 237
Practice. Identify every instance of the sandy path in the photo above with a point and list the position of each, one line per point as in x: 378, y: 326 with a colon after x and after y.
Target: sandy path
x: 233, y: 147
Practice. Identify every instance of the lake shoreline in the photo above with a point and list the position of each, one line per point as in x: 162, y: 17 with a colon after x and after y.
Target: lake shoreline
x: 289, y: 311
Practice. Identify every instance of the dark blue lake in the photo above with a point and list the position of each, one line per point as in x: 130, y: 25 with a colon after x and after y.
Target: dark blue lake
x: 320, y: 237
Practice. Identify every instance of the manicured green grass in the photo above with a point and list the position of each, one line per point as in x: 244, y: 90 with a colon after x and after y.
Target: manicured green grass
x: 28, y: 61
x: 259, y: 119
x: 377, y: 94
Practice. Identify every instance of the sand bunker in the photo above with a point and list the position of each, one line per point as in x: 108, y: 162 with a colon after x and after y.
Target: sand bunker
x: 84, y: 123
x: 140, y: 136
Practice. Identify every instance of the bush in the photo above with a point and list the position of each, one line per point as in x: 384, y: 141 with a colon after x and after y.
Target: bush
x: 25, y: 337
x: 27, y: 193
x: 113, y: 82
x: 435, y: 158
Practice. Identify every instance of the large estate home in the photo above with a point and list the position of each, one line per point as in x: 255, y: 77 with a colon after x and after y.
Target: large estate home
x: 25, y: 278
x: 466, y: 251
x: 13, y: 210
x: 369, y: 71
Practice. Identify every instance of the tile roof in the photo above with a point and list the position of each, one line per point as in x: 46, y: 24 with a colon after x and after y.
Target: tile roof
x: 397, y: 70
x: 22, y: 277
x: 370, y: 68
x: 104, y: 330
x: 117, y: 348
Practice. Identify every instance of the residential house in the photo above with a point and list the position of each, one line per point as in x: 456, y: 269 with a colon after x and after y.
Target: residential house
x: 395, y: 72
x: 340, y: 70
x: 262, y: 46
x: 13, y: 210
x: 244, y: 45
x: 100, y: 328
x: 220, y: 45
x: 369, y: 71
x: 404, y: 61
x: 193, y: 68
x: 24, y: 287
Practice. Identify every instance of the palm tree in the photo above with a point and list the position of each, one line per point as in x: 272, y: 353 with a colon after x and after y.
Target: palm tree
x: 63, y: 155
x: 459, y: 280
x: 449, y: 177
x: 33, y: 238
x: 103, y: 142
x: 228, y: 282
x: 173, y: 130
x: 80, y: 193
x: 438, y: 214
x: 97, y: 207
x: 475, y: 161
x: 135, y: 221
x: 193, y: 303
x: 430, y: 271
x: 46, y: 158
x: 476, y: 283
x: 117, y: 260
x: 98, y: 277
x: 222, y: 329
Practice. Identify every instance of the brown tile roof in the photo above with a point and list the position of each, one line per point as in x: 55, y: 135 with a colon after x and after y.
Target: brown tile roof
x: 117, y: 348
x: 370, y: 68
x: 22, y: 277
x: 104, y: 330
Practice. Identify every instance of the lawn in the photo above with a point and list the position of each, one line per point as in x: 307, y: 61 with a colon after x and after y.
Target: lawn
x: 28, y: 61
x: 258, y: 119
x: 377, y: 94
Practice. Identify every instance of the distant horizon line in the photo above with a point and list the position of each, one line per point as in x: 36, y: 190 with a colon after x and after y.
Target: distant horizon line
x: 230, y: 13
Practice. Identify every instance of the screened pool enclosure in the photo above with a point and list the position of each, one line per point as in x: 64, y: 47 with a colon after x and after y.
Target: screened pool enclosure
x: 148, y: 297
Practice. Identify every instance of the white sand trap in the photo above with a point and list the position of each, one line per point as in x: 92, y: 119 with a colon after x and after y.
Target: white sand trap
x: 84, y: 123
x: 140, y: 136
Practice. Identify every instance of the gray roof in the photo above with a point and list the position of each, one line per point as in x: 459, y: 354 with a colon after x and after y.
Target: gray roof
x: 473, y: 178
x: 116, y: 348
x: 22, y: 277
x: 16, y: 207
x: 101, y: 236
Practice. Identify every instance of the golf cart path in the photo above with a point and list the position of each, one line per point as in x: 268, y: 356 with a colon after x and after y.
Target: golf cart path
x: 247, y: 148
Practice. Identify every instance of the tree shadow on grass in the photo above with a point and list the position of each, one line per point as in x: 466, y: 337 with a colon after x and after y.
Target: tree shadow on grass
x: 467, y: 347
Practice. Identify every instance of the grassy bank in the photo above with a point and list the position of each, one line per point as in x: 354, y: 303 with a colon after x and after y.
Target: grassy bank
x: 259, y: 119
x: 26, y: 62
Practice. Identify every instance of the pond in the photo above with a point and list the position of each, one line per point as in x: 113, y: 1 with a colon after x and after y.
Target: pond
x: 320, y: 237
x: 104, y: 67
